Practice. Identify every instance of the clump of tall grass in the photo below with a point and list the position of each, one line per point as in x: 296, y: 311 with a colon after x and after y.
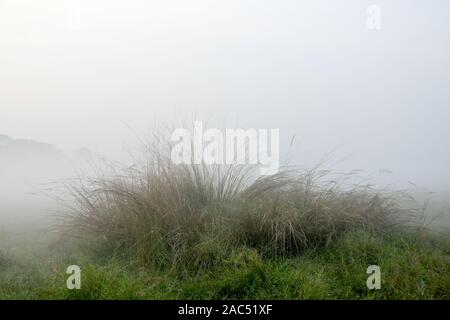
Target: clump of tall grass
x: 185, y: 215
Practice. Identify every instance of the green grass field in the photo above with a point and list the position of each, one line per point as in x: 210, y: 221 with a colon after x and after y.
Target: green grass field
x: 412, y: 267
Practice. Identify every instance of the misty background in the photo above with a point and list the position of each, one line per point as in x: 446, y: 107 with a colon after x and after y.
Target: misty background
x: 81, y: 78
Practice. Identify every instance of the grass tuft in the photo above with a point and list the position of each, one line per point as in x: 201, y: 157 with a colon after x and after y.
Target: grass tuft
x: 191, y: 216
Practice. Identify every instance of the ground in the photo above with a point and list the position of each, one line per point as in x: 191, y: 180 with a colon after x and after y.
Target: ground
x: 413, y: 266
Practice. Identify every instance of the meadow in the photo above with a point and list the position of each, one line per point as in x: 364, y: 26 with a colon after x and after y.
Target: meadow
x: 161, y: 231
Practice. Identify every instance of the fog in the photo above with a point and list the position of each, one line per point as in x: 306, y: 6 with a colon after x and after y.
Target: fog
x: 93, y: 75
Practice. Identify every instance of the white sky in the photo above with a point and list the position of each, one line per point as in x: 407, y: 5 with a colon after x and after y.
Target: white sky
x: 310, y: 68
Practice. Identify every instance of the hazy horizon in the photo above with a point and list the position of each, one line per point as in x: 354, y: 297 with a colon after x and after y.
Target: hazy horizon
x: 91, y: 74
